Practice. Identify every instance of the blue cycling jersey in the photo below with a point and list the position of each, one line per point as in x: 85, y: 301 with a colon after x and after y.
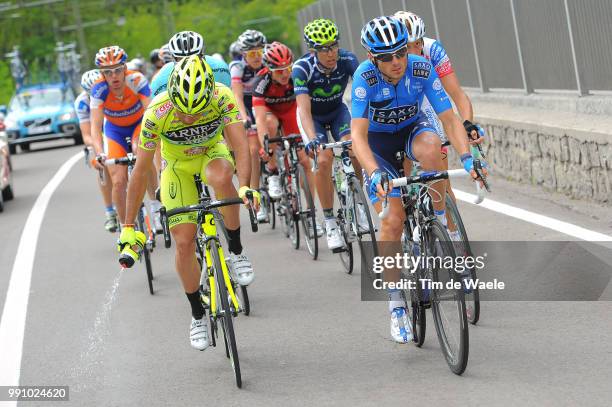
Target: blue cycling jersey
x: 325, y: 90
x: 391, y: 108
x: 219, y: 68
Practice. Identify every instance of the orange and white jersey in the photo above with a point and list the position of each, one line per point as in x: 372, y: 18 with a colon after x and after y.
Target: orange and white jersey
x: 125, y: 110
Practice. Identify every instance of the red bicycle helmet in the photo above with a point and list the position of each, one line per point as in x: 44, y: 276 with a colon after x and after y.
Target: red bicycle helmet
x: 277, y: 56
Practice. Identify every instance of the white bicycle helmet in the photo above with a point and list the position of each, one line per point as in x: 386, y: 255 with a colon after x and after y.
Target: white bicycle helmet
x: 89, y: 78
x: 414, y: 24
x: 186, y: 43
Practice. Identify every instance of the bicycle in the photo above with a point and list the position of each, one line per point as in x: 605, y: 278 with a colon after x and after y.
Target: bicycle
x: 217, y: 288
x: 296, y: 204
x: 425, y: 239
x: 143, y: 224
x: 353, y: 205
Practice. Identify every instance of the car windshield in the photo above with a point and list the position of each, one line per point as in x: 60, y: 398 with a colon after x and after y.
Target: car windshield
x: 33, y: 98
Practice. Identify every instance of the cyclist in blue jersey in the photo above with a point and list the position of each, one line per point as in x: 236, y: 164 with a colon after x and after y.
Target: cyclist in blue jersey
x: 387, y: 92
x: 320, y: 79
x: 184, y: 44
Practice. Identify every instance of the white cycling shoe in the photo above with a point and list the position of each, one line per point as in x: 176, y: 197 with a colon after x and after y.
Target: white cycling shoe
x: 274, y: 187
x: 241, y: 268
x: 401, y: 328
x: 262, y: 214
x: 334, y: 238
x: 198, y: 333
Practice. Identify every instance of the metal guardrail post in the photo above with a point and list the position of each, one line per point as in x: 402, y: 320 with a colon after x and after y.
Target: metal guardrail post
x: 481, y: 76
x: 526, y: 82
x: 435, y: 19
x: 348, y: 27
x: 381, y: 8
x: 361, y: 12
x: 579, y: 75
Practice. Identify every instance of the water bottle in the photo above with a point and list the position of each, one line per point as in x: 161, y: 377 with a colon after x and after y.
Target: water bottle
x: 130, y: 254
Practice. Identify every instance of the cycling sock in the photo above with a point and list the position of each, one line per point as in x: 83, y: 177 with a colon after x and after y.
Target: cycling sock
x: 328, y: 213
x: 233, y: 241
x: 110, y: 209
x: 441, y: 215
x: 197, y: 310
x: 395, y: 300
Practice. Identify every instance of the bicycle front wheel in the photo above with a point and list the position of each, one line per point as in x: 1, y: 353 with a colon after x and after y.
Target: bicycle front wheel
x: 462, y: 248
x: 447, y: 304
x: 145, y: 251
x: 306, y: 211
x: 362, y: 226
x: 225, y: 313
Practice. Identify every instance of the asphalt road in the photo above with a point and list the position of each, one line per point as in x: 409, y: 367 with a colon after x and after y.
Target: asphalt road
x: 309, y: 339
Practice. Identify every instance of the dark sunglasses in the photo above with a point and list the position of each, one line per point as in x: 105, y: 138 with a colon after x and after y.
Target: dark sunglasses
x: 399, y: 54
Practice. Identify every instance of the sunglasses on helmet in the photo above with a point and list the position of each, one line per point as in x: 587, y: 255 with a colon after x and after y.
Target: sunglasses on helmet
x: 388, y: 57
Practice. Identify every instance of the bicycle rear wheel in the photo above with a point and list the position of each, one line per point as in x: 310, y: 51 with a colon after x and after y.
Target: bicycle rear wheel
x: 306, y: 211
x: 346, y: 255
x: 472, y: 295
x: 447, y: 305
x: 145, y: 251
x: 416, y: 296
x: 366, y: 237
x: 225, y: 314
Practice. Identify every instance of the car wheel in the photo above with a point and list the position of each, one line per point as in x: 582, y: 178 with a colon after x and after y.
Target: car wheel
x: 7, y: 193
x: 1, y: 202
x: 25, y: 147
x: 12, y: 149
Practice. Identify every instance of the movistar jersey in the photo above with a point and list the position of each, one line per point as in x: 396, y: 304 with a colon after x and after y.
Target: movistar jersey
x: 219, y: 68
x: 183, y: 141
x: 325, y: 90
x: 391, y: 108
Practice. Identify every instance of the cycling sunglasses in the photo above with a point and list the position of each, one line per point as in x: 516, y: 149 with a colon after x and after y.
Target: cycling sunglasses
x: 114, y: 71
x: 388, y: 57
x: 253, y: 53
x: 287, y: 68
x: 328, y: 48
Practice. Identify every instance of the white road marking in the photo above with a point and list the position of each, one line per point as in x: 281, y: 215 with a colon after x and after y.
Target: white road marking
x: 535, y: 218
x: 12, y: 324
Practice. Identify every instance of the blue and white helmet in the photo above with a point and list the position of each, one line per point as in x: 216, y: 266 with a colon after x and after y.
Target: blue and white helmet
x: 89, y: 78
x: 384, y: 35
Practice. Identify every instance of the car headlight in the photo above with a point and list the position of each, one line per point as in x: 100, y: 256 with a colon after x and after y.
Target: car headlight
x: 67, y: 116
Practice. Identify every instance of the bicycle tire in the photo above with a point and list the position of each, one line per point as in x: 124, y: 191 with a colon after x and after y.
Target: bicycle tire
x: 226, y: 315
x: 417, y: 305
x: 346, y: 256
x: 307, y: 215
x: 472, y: 298
x: 456, y: 359
x: 146, y: 253
x: 292, y: 218
x: 244, y: 300
x: 272, y: 214
x: 357, y: 197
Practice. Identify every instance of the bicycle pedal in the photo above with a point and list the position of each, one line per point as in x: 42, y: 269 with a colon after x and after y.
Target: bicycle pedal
x: 339, y: 250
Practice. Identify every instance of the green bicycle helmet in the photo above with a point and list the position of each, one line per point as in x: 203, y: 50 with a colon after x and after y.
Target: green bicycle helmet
x: 320, y: 32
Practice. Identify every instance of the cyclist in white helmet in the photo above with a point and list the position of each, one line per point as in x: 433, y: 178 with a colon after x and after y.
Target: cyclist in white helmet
x: 81, y: 105
x: 433, y: 50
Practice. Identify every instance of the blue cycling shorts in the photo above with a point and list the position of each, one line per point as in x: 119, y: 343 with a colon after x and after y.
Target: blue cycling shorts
x: 339, y: 121
x: 386, y: 145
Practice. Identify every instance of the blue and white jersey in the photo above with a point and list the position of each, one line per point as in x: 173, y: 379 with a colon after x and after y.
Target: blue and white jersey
x: 219, y: 68
x: 391, y: 108
x: 81, y: 105
x: 325, y: 91
x: 434, y: 51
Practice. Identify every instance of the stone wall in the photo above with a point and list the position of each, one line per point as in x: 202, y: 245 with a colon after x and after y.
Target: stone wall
x: 571, y: 162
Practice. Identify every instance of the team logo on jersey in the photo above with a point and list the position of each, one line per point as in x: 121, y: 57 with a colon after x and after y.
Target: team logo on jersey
x: 149, y: 124
x: 421, y: 69
x: 229, y: 108
x: 320, y: 92
x: 164, y: 164
x: 149, y: 135
x: 195, y: 151
x: 360, y: 92
x: 394, y: 115
x: 221, y: 101
x: 194, y: 134
x: 299, y: 82
x: 172, y: 189
x: 226, y: 119
x: 386, y: 92
x: 370, y: 77
x: 150, y: 145
x: 163, y: 110
x: 437, y: 85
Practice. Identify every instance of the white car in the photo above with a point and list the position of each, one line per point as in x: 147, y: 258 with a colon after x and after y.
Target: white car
x: 6, y: 185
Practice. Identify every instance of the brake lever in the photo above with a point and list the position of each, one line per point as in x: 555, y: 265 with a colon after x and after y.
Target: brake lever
x: 385, y: 205
x: 251, y: 208
x: 480, y: 175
